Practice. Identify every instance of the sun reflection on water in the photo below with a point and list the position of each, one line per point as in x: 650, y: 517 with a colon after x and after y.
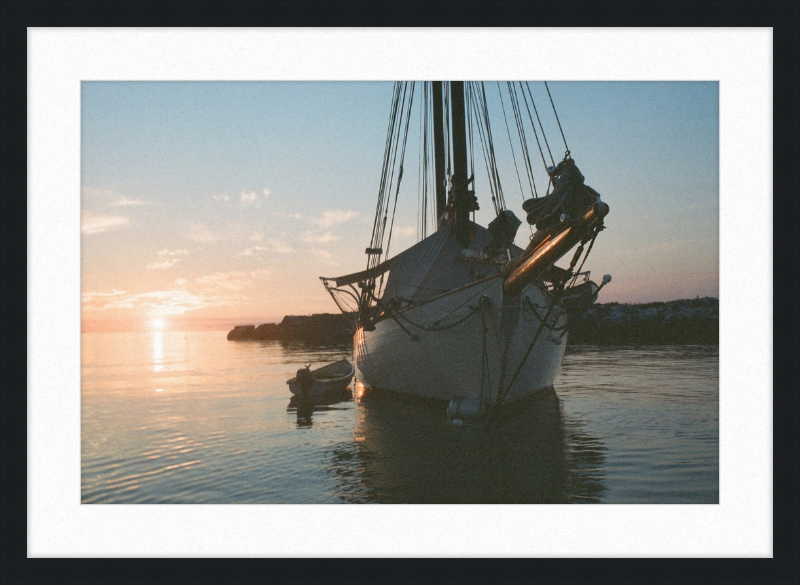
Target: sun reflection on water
x: 158, y: 351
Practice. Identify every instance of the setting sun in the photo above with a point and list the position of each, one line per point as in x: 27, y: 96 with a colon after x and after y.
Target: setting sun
x: 158, y: 323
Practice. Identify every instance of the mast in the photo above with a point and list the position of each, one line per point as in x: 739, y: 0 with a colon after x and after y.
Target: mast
x: 461, y: 201
x: 438, y: 149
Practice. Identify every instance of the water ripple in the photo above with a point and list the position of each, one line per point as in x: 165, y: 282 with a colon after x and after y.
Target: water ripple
x: 624, y: 424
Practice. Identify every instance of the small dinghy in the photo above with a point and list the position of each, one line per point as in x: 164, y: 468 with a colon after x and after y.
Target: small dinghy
x: 331, y: 378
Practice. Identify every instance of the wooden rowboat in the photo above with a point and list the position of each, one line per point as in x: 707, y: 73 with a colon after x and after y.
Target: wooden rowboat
x: 330, y: 378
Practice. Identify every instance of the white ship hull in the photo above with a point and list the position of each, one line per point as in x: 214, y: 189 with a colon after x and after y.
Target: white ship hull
x: 460, y: 345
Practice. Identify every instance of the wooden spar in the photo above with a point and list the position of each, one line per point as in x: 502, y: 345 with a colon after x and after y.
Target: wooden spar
x: 551, y: 249
x: 460, y: 177
x: 365, y: 275
x: 438, y: 149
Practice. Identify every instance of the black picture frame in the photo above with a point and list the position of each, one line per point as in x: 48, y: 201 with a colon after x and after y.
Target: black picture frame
x: 783, y: 17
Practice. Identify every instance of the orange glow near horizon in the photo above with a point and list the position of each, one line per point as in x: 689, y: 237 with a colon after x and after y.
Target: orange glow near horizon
x: 622, y: 290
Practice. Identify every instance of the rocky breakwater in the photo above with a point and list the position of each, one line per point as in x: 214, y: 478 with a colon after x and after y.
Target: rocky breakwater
x: 318, y: 328
x: 689, y: 321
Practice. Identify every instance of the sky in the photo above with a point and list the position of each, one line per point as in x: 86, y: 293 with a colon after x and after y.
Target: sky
x: 210, y: 204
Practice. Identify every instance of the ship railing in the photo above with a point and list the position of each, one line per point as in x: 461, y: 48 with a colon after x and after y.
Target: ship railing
x: 581, y: 277
x: 574, y: 280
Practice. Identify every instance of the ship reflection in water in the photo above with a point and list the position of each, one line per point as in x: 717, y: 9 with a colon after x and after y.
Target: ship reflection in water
x: 404, y: 451
x: 305, y: 408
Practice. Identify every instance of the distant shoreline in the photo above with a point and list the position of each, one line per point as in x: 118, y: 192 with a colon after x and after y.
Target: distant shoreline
x: 318, y: 328
x: 681, y: 322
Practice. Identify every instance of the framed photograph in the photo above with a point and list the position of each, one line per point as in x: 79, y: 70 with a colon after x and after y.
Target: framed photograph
x: 198, y: 205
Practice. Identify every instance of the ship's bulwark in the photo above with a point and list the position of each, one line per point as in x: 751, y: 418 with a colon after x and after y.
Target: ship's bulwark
x: 454, y: 345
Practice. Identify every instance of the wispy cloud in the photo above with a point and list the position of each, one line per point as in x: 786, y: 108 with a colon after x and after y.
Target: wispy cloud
x: 169, y: 263
x: 404, y: 230
x: 256, y: 237
x: 169, y: 259
x: 90, y: 296
x: 325, y: 256
x: 91, y: 192
x: 284, y: 215
x: 164, y: 302
x: 245, y: 197
x: 126, y: 202
x: 177, y: 302
x: 235, y: 280
x: 316, y: 238
x: 110, y: 197
x: 92, y: 223
x: 279, y: 246
x: 273, y: 245
x: 334, y: 217
x: 201, y: 233
x: 253, y: 251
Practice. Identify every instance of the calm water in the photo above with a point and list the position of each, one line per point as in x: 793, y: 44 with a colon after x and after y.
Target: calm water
x: 179, y: 417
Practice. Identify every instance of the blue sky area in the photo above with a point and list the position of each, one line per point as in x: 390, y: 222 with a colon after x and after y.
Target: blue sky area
x: 225, y: 201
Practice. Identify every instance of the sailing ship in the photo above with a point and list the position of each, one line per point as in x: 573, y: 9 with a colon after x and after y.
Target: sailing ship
x: 465, y: 315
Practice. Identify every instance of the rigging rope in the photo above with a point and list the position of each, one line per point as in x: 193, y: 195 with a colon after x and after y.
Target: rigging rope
x: 421, y: 164
x: 476, y: 102
x: 401, y: 103
x: 396, y: 142
x: 376, y: 228
x: 484, y: 133
x: 390, y: 157
x: 533, y: 125
x: 510, y: 142
x: 513, y: 154
x: 494, y: 175
x: 541, y: 319
x: 434, y: 326
x: 577, y: 272
x: 486, y: 380
x: 426, y: 165
x: 447, y: 126
x: 512, y: 93
x: 400, y: 175
x: 467, y: 108
x: 535, y: 111
x: 503, y: 392
x: 557, y: 120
